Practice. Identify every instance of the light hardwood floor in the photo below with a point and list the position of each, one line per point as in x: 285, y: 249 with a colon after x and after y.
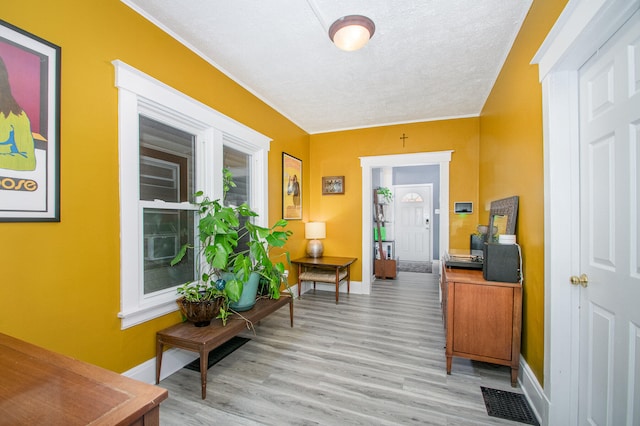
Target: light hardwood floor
x: 371, y: 360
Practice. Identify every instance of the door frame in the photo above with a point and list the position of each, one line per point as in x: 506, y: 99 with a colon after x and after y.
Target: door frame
x: 440, y: 158
x: 581, y: 29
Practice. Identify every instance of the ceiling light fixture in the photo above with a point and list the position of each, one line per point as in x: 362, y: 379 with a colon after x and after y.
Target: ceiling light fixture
x: 351, y: 32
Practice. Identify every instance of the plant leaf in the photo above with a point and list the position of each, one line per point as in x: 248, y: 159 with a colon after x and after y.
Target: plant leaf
x: 233, y: 289
x: 178, y: 257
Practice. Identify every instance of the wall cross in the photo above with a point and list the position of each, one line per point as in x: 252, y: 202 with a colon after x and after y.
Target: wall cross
x: 403, y: 137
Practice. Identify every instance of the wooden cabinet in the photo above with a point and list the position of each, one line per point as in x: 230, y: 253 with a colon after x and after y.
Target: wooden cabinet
x: 482, y: 318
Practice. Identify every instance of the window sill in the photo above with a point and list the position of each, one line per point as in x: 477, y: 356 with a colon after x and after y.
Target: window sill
x: 140, y: 315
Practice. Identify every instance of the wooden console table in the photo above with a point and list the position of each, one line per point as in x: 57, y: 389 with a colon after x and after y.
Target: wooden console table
x: 38, y: 387
x: 482, y: 318
x: 204, y: 339
x: 326, y: 269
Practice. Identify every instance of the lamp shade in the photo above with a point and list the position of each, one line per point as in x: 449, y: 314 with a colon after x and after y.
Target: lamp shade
x: 351, y: 32
x: 315, y: 230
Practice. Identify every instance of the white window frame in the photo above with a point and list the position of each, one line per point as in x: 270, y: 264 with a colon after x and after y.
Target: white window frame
x: 141, y: 94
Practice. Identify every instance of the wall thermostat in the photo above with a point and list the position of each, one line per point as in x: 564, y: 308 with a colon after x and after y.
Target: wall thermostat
x: 463, y: 207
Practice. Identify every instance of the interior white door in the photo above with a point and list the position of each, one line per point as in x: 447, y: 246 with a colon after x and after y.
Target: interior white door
x: 609, y: 365
x: 412, y: 222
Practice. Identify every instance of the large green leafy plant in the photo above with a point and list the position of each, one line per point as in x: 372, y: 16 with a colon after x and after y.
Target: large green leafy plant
x: 226, y: 261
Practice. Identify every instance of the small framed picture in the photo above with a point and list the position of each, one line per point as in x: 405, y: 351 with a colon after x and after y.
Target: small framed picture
x: 332, y: 185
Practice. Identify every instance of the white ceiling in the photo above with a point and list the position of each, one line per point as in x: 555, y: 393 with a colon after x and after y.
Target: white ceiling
x: 428, y: 59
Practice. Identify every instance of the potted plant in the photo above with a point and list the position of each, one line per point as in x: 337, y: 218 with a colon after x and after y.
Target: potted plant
x: 385, y: 196
x: 227, y: 264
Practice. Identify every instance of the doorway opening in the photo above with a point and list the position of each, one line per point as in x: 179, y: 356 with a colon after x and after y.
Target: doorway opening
x: 440, y: 158
x: 415, y: 224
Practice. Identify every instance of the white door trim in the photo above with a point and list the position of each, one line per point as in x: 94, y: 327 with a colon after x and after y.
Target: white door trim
x: 441, y: 158
x: 582, y: 28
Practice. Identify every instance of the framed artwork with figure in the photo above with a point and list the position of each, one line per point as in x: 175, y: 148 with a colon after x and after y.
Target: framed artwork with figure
x: 291, y: 187
x: 29, y: 127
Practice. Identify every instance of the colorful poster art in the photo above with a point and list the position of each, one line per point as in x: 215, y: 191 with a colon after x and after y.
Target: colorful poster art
x: 29, y: 127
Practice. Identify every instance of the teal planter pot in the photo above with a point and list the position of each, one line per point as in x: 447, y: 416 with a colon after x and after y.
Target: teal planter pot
x: 248, y: 297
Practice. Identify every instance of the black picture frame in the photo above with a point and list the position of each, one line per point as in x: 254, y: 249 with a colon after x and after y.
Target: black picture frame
x: 30, y: 133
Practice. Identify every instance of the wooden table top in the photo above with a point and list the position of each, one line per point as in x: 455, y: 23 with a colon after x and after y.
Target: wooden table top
x: 38, y: 386
x: 325, y: 261
x: 472, y: 276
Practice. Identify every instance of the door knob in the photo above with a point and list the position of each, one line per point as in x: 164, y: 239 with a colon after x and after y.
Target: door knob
x: 582, y: 280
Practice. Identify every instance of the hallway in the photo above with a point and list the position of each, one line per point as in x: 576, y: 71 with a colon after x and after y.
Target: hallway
x: 371, y: 360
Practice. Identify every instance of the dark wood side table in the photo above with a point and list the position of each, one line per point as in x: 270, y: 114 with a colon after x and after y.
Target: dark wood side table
x: 328, y: 269
x: 204, y: 339
x: 38, y: 387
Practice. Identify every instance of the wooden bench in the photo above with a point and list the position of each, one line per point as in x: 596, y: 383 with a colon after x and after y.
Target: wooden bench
x: 204, y: 339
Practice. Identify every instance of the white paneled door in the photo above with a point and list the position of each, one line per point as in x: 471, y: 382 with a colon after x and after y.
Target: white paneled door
x: 609, y: 364
x: 413, y: 222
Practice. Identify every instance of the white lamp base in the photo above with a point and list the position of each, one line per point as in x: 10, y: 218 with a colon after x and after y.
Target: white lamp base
x: 315, y: 248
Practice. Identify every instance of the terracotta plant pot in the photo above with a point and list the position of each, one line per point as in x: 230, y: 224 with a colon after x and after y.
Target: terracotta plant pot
x: 200, y: 313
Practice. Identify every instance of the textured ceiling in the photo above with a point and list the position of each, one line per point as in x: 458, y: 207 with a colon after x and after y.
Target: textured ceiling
x: 428, y: 59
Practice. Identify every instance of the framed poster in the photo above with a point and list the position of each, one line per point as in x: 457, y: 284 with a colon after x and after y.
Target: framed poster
x: 332, y: 185
x: 29, y: 127
x: 291, y: 187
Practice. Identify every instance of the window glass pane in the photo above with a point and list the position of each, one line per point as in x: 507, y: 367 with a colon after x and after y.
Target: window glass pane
x: 159, y: 180
x: 165, y: 231
x: 239, y: 164
x: 166, y: 162
x: 412, y: 197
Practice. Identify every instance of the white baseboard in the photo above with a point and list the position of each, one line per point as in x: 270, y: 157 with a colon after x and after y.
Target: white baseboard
x: 435, y: 267
x: 172, y: 360
x: 533, y: 392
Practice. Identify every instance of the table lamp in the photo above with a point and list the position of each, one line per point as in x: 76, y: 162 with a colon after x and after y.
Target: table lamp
x: 314, y: 231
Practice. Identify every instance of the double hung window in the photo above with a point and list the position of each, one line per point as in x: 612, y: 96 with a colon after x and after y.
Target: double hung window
x: 171, y: 146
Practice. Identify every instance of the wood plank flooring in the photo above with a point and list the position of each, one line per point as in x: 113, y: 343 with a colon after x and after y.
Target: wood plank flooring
x: 371, y: 360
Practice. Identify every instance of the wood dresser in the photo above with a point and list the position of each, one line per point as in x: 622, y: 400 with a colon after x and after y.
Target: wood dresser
x: 482, y: 318
x: 41, y: 387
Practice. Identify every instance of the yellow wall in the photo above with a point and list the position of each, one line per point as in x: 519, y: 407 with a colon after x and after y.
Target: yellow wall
x: 339, y: 153
x: 511, y: 163
x: 61, y: 287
